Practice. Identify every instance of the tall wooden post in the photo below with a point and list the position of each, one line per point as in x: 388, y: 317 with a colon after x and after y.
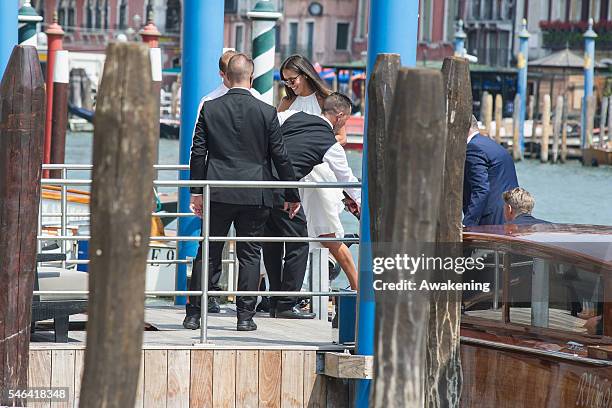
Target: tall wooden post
x: 444, y: 378
x: 516, y: 123
x: 557, y: 128
x: 22, y: 121
x: 417, y: 133
x: 499, y: 105
x: 564, y: 130
x: 380, y: 100
x: 488, y: 114
x: 545, y: 129
x: 601, y: 140
x: 125, y: 149
x: 602, y: 119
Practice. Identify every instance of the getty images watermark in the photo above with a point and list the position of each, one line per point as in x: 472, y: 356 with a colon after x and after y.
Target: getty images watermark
x: 426, y: 264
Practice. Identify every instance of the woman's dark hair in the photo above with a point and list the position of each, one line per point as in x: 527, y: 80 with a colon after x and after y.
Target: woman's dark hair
x: 302, y: 66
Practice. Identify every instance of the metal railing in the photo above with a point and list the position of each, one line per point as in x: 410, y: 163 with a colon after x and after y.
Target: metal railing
x: 205, y: 238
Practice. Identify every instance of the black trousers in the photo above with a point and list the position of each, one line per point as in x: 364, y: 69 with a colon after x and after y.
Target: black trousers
x: 290, y: 275
x: 249, y: 222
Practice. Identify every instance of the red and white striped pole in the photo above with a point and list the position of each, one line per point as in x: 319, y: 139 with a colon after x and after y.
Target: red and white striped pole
x: 59, y: 119
x: 55, y: 36
x: 150, y: 35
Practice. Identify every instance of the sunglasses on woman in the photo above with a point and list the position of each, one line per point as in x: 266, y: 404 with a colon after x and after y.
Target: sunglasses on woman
x: 291, y: 81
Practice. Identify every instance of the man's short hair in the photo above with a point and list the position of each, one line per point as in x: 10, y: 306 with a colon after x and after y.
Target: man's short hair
x: 520, y: 200
x: 239, y: 68
x: 224, y: 60
x: 337, y: 103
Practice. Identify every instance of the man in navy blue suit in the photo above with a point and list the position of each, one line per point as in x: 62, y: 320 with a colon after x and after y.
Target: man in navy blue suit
x: 489, y: 172
x: 518, y: 205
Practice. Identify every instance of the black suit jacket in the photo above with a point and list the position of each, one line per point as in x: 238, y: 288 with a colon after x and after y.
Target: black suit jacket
x: 527, y: 219
x: 237, y: 137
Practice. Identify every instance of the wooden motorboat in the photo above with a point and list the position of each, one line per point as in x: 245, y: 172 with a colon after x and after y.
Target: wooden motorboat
x: 543, y: 336
x: 596, y: 156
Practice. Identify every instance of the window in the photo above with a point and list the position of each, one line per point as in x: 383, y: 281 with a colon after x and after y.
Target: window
x: 71, y: 14
x: 293, y: 37
x: 231, y: 6
x: 106, y: 14
x: 342, y: 36
x: 89, y: 11
x: 61, y: 13
x: 123, y: 15
x: 173, y: 16
x: 309, y: 39
x: 98, y: 16
x: 239, y: 38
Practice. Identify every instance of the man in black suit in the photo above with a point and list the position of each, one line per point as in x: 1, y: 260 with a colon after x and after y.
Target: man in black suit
x: 310, y: 140
x: 518, y: 205
x: 237, y: 137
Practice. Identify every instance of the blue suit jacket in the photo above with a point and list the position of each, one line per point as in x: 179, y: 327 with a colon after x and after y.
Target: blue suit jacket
x: 489, y: 172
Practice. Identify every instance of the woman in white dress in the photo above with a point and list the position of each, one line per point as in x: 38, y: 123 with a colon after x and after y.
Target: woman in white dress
x: 306, y: 92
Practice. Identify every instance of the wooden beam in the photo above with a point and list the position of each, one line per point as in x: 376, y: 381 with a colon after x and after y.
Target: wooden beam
x: 380, y: 100
x: 417, y: 132
x: 344, y: 365
x: 22, y: 116
x: 443, y: 379
x: 124, y: 151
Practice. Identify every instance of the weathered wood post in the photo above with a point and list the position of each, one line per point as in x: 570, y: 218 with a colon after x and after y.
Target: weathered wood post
x: 557, y: 128
x: 563, y: 156
x: 22, y: 129
x: 516, y: 147
x: 417, y: 133
x: 602, y: 141
x: 444, y: 378
x: 380, y: 100
x: 499, y: 104
x: 484, y: 109
x: 488, y: 114
x: 591, y: 104
x: 603, y: 112
x: 125, y: 149
x: 545, y: 129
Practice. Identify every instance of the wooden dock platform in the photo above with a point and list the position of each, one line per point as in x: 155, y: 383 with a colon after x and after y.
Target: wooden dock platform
x: 275, y: 366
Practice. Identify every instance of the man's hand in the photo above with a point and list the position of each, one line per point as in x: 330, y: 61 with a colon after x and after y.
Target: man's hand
x: 351, y: 206
x: 292, y: 208
x: 195, y: 205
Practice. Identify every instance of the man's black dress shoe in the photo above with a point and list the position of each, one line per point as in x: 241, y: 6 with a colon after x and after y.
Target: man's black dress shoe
x: 246, y: 325
x: 294, y: 313
x: 213, y: 305
x: 192, y: 322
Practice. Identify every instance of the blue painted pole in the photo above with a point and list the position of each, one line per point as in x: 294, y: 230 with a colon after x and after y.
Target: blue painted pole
x: 522, y: 64
x: 8, y: 31
x: 202, y: 46
x: 460, y: 37
x: 393, y: 29
x: 589, y: 59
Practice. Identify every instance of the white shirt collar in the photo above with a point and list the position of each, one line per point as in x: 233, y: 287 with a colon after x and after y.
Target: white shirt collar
x: 241, y: 87
x: 327, y: 120
x: 471, y: 136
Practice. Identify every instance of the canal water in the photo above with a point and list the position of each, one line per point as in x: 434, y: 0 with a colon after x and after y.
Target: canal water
x: 568, y: 193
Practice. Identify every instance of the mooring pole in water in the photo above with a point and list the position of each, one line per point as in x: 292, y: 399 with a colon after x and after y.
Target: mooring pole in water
x: 28, y: 20
x: 22, y: 110
x: 393, y: 29
x: 8, y: 32
x: 55, y: 36
x: 59, y: 120
x: 589, y: 63
x: 202, y: 47
x: 521, y: 64
x: 460, y: 37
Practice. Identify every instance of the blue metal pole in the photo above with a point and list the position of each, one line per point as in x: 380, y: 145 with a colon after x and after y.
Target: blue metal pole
x: 8, y: 31
x: 522, y: 63
x: 202, y: 40
x: 392, y: 29
x: 460, y: 37
x: 589, y: 58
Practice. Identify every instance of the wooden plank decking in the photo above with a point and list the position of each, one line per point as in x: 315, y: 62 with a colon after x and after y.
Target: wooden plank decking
x: 274, y: 366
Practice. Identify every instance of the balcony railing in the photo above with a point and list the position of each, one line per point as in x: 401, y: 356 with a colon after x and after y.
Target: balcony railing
x: 557, y: 35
